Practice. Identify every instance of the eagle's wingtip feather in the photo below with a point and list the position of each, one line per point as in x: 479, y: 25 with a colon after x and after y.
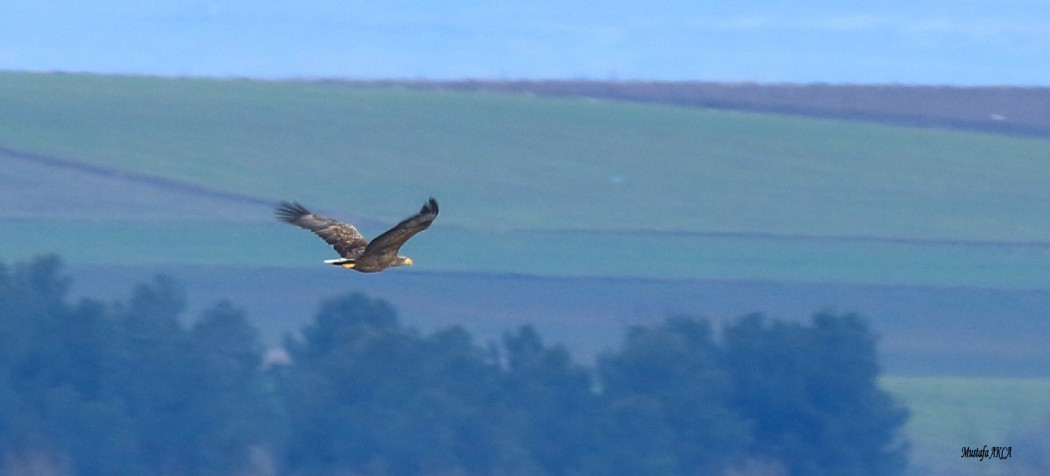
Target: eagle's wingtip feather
x: 290, y: 211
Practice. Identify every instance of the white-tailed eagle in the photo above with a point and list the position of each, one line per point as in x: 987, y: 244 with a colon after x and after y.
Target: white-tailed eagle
x: 356, y: 252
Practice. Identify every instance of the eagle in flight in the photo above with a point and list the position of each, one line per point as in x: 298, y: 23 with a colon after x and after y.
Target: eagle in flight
x: 358, y: 253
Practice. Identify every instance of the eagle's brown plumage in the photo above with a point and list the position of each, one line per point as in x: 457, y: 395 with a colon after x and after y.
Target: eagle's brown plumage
x: 357, y: 252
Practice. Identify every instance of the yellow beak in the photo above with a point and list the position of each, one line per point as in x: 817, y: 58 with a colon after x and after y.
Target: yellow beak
x: 408, y: 261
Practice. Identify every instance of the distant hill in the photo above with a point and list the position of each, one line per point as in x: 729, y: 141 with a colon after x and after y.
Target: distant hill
x: 1002, y: 109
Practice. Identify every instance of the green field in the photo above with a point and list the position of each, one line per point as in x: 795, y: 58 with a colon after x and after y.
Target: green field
x: 551, y: 254
x: 519, y: 162
x: 535, y: 183
x: 949, y: 413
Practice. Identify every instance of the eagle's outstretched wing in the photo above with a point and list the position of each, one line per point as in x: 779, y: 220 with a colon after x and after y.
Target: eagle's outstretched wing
x: 390, y: 241
x: 344, y: 237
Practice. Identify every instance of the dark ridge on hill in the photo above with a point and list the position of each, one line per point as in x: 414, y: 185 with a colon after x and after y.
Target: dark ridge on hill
x: 132, y: 177
x: 998, y: 109
x: 125, y: 179
x: 759, y: 235
x: 153, y: 181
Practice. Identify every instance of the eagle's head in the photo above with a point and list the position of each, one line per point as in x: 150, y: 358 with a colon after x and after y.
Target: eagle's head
x: 402, y: 261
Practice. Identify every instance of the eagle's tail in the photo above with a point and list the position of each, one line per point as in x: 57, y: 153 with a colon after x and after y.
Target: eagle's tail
x: 344, y: 262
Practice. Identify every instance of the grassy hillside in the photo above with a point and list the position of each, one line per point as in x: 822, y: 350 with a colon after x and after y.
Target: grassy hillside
x: 949, y: 413
x: 535, y: 184
x: 535, y: 163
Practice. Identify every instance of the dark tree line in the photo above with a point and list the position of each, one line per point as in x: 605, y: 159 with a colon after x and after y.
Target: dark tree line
x: 88, y: 388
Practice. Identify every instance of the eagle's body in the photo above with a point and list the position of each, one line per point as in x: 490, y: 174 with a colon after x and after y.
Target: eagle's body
x: 356, y: 252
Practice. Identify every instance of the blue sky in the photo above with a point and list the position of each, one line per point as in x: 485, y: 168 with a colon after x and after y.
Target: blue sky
x: 964, y: 42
